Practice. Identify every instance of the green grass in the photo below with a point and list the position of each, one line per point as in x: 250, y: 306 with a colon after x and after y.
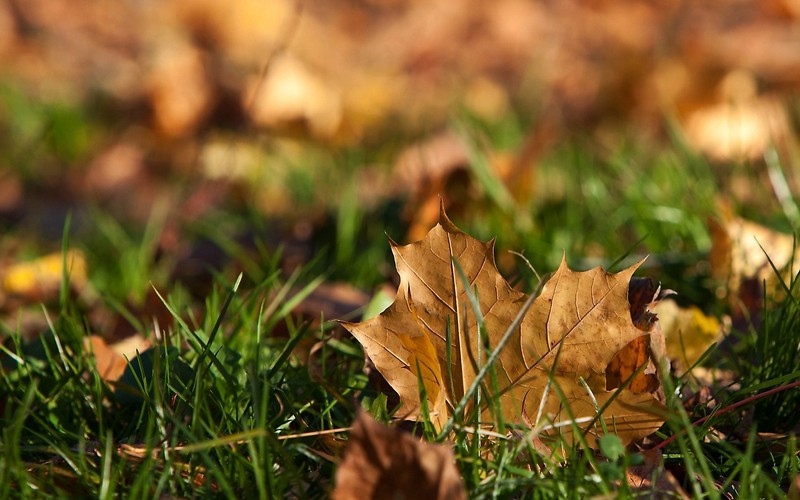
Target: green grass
x: 226, y: 405
x: 221, y: 380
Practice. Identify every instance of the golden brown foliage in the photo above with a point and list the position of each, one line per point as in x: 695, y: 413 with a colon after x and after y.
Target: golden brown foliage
x: 578, y: 336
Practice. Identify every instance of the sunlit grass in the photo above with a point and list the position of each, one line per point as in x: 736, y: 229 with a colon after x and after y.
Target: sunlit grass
x: 243, y: 397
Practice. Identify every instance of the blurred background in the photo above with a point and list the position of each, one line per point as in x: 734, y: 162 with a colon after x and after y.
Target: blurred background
x: 181, y: 135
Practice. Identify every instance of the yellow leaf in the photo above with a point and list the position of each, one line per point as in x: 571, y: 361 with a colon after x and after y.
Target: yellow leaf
x: 689, y: 332
x: 41, y: 278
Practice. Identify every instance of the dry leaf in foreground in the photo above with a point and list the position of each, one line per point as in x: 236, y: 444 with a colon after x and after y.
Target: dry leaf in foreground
x: 382, y: 462
x: 574, y: 330
x: 652, y: 480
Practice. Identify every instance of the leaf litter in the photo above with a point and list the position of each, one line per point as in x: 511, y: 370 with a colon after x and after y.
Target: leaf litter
x: 252, y: 26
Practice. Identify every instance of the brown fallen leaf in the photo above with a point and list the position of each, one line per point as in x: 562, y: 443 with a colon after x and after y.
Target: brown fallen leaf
x: 570, y: 335
x: 741, y: 249
x: 294, y: 100
x: 384, y: 462
x: 110, y: 365
x: 652, y: 479
x: 738, y: 124
x: 742, y: 257
x: 438, y: 168
x: 434, y: 169
x: 111, y: 360
x: 180, y: 92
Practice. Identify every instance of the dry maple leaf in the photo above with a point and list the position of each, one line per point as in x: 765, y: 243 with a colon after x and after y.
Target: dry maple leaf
x: 382, y: 462
x: 570, y: 335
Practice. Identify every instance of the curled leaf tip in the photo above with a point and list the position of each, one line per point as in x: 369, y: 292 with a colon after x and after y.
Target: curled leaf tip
x: 445, y: 221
